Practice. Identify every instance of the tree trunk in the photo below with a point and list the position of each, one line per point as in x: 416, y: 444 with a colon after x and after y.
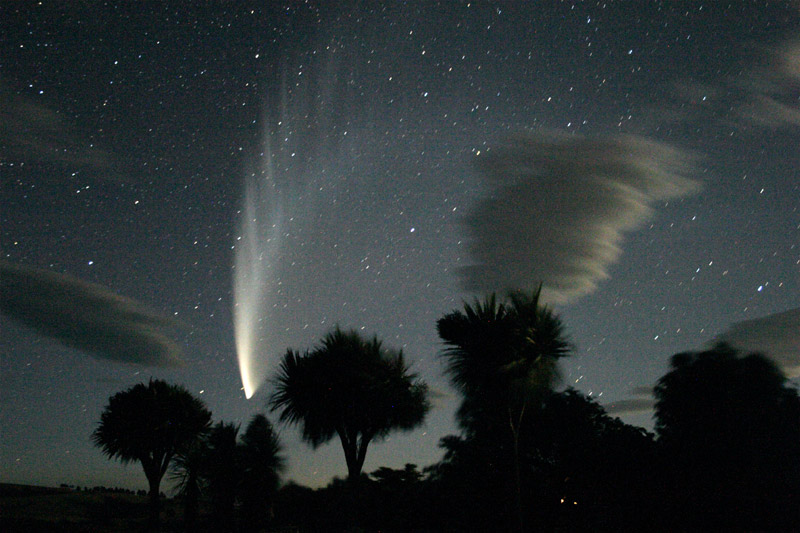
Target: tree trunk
x: 349, y: 446
x: 518, y: 483
x: 515, y: 429
x: 362, y: 453
x: 191, y: 504
x: 355, y: 452
x: 155, y: 501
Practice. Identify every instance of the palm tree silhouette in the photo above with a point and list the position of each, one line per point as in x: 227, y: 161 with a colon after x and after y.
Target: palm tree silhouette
x: 502, y: 357
x: 351, y: 387
x: 150, y: 424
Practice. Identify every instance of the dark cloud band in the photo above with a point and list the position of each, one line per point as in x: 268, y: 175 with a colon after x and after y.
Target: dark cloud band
x: 777, y: 336
x: 86, y: 316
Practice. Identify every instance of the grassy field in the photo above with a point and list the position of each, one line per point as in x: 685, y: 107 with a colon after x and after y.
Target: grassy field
x: 30, y: 509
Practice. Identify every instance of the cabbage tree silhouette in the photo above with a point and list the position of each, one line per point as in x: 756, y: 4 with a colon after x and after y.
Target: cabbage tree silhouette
x: 150, y: 424
x: 503, y: 358
x: 351, y: 387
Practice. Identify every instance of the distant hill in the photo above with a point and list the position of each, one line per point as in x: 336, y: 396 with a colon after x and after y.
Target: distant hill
x: 12, y: 489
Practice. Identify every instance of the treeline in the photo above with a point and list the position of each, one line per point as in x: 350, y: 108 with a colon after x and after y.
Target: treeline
x: 100, y: 489
x: 725, y: 454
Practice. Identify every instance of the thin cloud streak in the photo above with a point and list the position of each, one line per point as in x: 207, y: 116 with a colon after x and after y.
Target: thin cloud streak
x: 630, y: 406
x: 558, y: 207
x: 763, y: 97
x: 86, y: 316
x: 32, y: 133
x: 641, y: 402
x: 772, y: 89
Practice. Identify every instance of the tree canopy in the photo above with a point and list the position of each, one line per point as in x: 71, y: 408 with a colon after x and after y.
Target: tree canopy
x: 729, y: 425
x: 503, y: 358
x: 225, y: 467
x: 500, y: 354
x: 261, y: 465
x: 351, y: 387
x: 149, y: 423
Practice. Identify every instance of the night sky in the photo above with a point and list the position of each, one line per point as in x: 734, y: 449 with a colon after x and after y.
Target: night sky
x: 639, y: 158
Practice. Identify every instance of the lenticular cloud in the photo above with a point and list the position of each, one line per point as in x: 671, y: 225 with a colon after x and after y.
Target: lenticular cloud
x: 558, y: 208
x: 86, y: 316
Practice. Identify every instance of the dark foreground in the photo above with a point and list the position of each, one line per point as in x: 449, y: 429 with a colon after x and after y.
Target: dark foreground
x: 33, y: 509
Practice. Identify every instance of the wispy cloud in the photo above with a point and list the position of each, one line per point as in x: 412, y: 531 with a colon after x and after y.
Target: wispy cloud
x: 777, y: 336
x: 33, y: 133
x: 772, y: 91
x: 630, y: 406
x: 643, y: 390
x: 641, y: 402
x: 558, y: 207
x: 86, y: 316
x: 766, y: 95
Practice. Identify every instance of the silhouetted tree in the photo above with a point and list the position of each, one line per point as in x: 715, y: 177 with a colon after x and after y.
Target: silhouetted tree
x: 397, y: 499
x: 220, y: 469
x: 467, y: 492
x: 222, y: 473
x: 730, y: 427
x: 297, y: 508
x: 188, y: 471
x: 579, y: 468
x: 149, y: 424
x: 261, y: 464
x: 502, y: 357
x: 592, y: 470
x: 389, y: 476
x: 350, y: 387
x: 385, y: 500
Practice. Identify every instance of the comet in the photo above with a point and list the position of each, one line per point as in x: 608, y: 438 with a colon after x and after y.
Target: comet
x: 257, y: 252
x: 283, y: 186
x: 315, y: 139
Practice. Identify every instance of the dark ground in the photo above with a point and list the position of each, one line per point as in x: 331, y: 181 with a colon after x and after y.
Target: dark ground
x: 31, y: 509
